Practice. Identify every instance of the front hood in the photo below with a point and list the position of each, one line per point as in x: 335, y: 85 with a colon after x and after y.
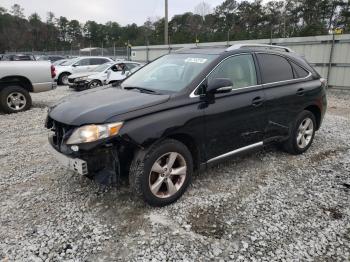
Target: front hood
x: 97, y: 105
x: 76, y: 75
x: 96, y: 75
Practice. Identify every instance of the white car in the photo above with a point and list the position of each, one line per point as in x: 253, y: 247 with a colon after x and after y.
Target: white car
x: 78, y: 65
x: 98, y: 76
x: 93, y: 78
x: 118, y: 73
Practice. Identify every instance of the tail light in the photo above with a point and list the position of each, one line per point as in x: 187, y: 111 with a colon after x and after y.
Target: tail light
x: 53, y: 71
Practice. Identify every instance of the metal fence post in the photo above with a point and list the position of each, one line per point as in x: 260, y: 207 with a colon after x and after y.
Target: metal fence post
x: 147, y: 54
x: 330, y: 58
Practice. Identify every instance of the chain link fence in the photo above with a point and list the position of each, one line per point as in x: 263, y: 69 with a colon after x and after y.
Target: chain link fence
x: 113, y: 52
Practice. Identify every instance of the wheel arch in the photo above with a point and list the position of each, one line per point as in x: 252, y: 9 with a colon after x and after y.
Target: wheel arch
x: 64, y: 72
x: 97, y: 80
x: 316, y: 111
x: 16, y: 80
x: 190, y: 143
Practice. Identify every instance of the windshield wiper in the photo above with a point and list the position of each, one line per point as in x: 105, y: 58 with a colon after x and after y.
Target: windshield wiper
x: 141, y: 89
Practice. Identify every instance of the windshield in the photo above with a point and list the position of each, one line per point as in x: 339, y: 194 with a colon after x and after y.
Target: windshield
x: 70, y: 62
x: 169, y: 73
x: 101, y: 68
x: 60, y: 62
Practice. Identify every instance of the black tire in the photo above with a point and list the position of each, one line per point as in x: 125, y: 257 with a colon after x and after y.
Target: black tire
x: 291, y: 145
x: 17, y: 92
x: 61, y: 78
x: 115, y: 83
x: 140, y: 171
x: 94, y: 84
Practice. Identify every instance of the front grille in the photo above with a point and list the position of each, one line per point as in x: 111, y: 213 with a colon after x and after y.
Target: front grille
x: 61, y: 133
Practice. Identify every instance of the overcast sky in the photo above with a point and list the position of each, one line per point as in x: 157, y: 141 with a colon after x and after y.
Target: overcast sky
x: 121, y: 11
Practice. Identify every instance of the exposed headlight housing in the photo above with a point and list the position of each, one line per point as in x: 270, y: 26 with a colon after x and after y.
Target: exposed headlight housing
x: 81, y: 79
x: 91, y: 133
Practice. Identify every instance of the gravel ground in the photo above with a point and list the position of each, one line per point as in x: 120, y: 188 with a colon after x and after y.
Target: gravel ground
x: 266, y: 206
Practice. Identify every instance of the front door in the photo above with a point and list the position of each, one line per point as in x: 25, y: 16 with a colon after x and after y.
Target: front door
x: 237, y: 119
x: 82, y: 66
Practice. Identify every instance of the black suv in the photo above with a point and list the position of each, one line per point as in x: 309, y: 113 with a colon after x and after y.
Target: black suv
x: 187, y: 110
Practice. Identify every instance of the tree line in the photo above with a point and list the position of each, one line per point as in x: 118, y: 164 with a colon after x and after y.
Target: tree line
x: 231, y: 20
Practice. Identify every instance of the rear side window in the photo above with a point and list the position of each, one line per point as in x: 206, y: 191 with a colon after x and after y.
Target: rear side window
x: 299, y: 71
x: 274, y: 68
x: 131, y: 66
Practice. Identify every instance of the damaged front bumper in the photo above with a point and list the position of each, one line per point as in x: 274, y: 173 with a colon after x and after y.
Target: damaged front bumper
x: 79, y: 85
x: 99, y: 163
x: 74, y: 164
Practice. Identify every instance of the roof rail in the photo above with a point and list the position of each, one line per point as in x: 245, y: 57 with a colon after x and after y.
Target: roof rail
x: 239, y: 46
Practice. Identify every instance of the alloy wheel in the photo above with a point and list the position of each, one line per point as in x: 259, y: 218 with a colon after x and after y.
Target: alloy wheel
x: 167, y: 175
x: 305, y: 133
x: 16, y: 101
x: 94, y: 84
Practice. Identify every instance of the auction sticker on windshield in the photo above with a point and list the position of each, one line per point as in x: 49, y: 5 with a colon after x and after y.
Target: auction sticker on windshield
x: 196, y: 60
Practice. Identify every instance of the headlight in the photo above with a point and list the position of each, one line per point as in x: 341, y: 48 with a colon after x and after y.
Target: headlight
x: 91, y: 133
x: 80, y: 79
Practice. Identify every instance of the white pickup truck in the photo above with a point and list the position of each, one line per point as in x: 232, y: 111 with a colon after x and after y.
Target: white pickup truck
x: 18, y: 79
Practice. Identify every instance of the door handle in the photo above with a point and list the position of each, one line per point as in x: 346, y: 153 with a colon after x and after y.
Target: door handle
x: 300, y: 92
x: 257, y: 101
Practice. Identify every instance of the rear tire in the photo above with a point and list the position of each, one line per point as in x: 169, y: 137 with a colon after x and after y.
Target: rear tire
x: 302, y: 134
x: 14, y: 99
x: 161, y: 174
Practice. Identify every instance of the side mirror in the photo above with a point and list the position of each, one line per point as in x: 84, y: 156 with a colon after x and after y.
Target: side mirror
x: 219, y: 86
x: 75, y: 65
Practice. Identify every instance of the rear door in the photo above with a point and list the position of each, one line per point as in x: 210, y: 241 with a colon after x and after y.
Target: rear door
x: 286, y: 86
x: 237, y: 119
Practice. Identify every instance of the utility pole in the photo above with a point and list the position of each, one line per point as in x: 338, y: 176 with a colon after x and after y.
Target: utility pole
x: 166, y: 26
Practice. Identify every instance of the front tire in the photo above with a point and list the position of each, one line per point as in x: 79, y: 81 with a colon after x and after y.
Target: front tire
x: 302, y: 135
x: 14, y: 99
x: 94, y: 84
x: 161, y: 174
x: 115, y: 83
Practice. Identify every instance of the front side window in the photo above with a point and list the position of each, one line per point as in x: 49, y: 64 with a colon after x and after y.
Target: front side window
x: 274, y: 68
x: 97, y: 61
x: 84, y: 62
x: 239, y: 69
x: 170, y: 73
